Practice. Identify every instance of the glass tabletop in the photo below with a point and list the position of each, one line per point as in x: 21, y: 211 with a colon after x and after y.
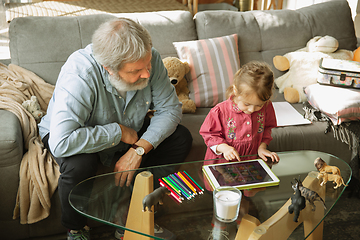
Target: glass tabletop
x: 99, y: 198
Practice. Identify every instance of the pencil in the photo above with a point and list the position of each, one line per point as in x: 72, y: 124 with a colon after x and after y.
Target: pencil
x: 162, y: 183
x: 183, y: 192
x: 181, y: 187
x: 180, y: 183
x: 202, y: 189
x: 172, y: 194
x: 192, y: 183
x: 183, y: 184
x: 186, y: 182
x: 171, y: 185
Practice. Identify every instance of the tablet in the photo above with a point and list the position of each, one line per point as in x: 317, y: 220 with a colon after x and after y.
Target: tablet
x: 242, y: 175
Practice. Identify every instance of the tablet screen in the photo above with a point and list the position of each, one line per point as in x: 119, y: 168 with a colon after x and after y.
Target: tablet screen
x: 245, y: 174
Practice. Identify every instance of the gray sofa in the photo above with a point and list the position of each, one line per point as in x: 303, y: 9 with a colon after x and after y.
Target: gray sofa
x: 42, y: 45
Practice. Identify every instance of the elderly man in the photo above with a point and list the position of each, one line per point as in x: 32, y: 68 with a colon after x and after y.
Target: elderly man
x: 99, y: 108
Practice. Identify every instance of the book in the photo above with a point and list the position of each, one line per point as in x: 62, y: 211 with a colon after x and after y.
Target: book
x: 287, y: 115
x: 242, y: 175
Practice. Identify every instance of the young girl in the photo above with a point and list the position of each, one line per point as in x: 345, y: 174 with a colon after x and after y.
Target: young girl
x: 242, y: 124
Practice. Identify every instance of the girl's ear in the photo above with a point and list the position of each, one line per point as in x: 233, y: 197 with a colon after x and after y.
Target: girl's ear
x: 235, y: 91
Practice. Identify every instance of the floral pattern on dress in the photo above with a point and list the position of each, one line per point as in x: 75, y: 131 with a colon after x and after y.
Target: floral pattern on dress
x: 260, y: 120
x: 232, y: 126
x: 235, y: 107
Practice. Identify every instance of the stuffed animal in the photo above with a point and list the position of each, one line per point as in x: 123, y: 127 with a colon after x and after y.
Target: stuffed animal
x: 33, y: 107
x: 177, y: 71
x: 303, y: 64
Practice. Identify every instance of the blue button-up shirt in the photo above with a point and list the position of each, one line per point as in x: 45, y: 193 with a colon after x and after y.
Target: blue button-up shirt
x: 85, y: 110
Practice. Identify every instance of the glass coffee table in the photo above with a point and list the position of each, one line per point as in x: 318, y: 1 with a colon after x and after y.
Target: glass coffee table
x: 262, y: 211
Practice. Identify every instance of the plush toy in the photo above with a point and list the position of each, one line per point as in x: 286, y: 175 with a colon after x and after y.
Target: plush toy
x: 303, y: 64
x: 33, y: 107
x: 177, y: 71
x: 357, y: 55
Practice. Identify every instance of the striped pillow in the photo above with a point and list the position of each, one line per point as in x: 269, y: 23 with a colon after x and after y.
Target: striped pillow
x: 213, y: 63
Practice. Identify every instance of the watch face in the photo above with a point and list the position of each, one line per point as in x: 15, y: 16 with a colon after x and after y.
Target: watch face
x: 140, y: 151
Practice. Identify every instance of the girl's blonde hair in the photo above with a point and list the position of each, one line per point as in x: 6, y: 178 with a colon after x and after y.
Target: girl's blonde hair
x: 253, y: 77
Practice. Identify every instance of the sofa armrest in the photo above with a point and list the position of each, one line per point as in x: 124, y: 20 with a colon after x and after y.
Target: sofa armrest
x: 11, y: 152
x: 11, y: 139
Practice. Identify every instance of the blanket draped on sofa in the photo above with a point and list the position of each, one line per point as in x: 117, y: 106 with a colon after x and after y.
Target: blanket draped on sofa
x: 347, y: 132
x: 39, y: 172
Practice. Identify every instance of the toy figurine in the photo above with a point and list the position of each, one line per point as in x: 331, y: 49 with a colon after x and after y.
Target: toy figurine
x: 155, y: 197
x: 298, y: 203
x: 309, y: 194
x: 322, y: 166
x: 337, y: 179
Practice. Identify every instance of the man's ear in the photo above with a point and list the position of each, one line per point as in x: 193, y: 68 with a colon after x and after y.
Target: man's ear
x: 108, y: 70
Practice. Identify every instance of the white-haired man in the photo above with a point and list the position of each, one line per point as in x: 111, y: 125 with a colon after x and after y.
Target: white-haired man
x: 98, y: 109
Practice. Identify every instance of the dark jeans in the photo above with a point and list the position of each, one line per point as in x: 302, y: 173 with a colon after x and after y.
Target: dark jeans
x: 77, y: 168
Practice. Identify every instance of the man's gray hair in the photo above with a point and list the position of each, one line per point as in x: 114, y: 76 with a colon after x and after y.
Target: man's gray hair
x: 120, y: 41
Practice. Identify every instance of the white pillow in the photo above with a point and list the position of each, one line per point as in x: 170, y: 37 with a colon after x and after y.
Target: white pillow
x: 339, y: 103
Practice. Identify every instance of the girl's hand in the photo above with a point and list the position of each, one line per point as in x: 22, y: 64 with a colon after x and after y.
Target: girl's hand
x: 228, y: 152
x: 264, y: 154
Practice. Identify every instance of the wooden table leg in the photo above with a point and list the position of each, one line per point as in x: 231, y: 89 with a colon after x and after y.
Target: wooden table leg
x: 137, y: 219
x: 280, y: 225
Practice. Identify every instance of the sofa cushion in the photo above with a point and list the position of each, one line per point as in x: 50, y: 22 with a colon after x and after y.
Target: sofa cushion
x: 33, y: 48
x: 213, y: 63
x: 264, y: 34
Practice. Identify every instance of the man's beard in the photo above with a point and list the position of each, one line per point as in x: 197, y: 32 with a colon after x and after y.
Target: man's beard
x: 123, y: 86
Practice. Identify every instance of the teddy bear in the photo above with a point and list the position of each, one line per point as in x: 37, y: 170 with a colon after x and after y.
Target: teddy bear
x: 33, y: 107
x: 303, y: 65
x: 176, y: 72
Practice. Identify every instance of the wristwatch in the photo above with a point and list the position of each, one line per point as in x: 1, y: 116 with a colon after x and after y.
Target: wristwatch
x: 139, y: 150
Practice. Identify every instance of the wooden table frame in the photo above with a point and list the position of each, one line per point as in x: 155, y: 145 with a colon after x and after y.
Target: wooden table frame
x: 279, y: 226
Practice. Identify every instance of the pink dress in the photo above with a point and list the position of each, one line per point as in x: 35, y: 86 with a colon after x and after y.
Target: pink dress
x: 226, y: 123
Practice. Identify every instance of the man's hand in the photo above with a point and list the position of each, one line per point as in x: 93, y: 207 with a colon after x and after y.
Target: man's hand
x: 129, y: 161
x: 128, y: 135
x: 228, y: 152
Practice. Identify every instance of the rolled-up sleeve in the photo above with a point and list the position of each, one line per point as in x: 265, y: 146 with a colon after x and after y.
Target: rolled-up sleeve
x: 165, y: 102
